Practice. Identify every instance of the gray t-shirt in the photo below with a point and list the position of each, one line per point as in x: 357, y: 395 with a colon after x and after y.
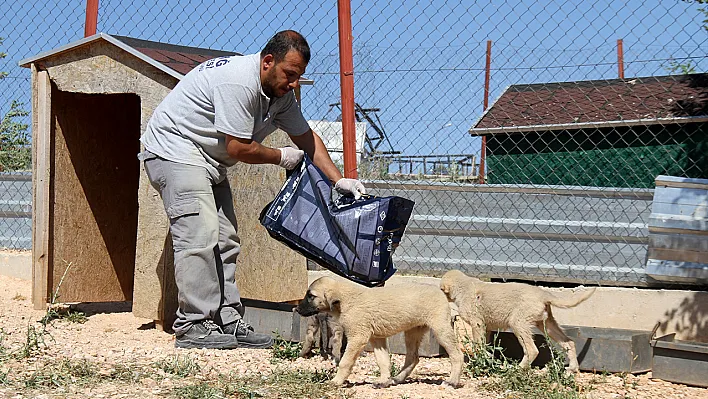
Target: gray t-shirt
x: 220, y: 96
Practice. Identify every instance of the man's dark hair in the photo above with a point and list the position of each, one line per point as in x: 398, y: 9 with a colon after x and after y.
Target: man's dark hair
x: 284, y: 41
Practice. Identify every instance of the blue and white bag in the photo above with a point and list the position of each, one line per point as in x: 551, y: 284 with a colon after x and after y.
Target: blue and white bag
x: 353, y: 238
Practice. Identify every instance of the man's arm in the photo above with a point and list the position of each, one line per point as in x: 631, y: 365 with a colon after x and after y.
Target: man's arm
x: 312, y: 144
x: 250, y: 151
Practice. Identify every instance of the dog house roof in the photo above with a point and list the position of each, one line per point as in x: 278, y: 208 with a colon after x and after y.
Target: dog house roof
x: 175, y: 60
x: 597, y: 103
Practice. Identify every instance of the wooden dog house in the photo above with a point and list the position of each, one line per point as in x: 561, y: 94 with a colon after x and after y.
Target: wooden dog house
x: 99, y: 228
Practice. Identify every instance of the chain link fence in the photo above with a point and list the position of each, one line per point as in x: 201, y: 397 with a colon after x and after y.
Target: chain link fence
x: 528, y: 133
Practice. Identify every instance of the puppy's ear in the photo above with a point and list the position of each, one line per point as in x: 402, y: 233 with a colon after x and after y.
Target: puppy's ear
x: 332, y: 299
x: 448, y: 287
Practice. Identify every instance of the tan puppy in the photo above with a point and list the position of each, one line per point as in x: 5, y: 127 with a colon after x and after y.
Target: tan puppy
x: 370, y: 315
x: 489, y: 306
x: 323, y: 331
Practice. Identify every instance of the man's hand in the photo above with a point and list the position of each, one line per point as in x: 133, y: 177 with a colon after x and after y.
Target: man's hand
x: 290, y: 157
x: 350, y: 186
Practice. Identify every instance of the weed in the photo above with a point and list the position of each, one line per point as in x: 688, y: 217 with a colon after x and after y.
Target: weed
x: 394, y: 369
x: 76, y: 317
x: 283, y: 349
x: 180, y: 366
x: 524, y: 383
x: 63, y: 313
x: 4, y: 380
x: 18, y: 297
x: 486, y: 359
x: 3, y: 349
x: 34, y: 340
x: 126, y: 373
x: 293, y: 384
x: 202, y: 390
x: 64, y: 373
x: 54, y: 311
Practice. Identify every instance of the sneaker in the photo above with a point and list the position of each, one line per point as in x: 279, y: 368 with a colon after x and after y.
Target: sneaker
x: 247, y: 338
x: 206, y: 334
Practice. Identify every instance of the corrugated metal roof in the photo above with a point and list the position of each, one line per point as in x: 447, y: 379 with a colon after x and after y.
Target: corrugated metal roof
x: 567, y: 105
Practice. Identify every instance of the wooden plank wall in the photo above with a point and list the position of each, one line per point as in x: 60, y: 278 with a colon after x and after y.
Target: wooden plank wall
x: 41, y: 157
x: 267, y: 270
x: 95, y: 203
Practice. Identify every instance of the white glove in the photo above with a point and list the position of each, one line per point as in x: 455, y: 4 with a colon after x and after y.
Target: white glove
x: 290, y: 157
x: 350, y: 186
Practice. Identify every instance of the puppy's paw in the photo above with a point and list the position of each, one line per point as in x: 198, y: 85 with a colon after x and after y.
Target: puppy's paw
x: 338, y: 381
x: 383, y: 383
x: 450, y: 384
x: 572, y: 369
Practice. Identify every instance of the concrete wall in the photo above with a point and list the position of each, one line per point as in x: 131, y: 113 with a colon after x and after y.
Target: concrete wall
x: 16, y: 264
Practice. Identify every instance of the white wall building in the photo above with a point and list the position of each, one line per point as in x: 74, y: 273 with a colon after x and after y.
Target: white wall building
x: 331, y: 133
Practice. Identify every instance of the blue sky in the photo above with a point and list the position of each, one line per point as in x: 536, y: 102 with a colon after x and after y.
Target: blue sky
x: 421, y: 63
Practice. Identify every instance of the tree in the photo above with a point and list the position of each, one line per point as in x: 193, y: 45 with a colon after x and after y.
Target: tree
x: 702, y: 10
x: 15, y: 145
x: 688, y: 67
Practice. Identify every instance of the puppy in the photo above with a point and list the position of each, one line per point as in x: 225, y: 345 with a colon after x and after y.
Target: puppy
x: 370, y: 315
x: 489, y: 306
x: 323, y: 331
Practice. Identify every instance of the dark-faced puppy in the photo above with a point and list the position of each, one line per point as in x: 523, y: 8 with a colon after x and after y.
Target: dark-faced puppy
x: 370, y: 315
x: 323, y: 331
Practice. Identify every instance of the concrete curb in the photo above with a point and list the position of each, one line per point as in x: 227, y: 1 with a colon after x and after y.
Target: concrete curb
x: 676, y: 311
x: 17, y: 264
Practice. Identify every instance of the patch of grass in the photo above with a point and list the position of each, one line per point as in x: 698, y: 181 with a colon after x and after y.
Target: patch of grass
x: 64, y: 373
x: 284, y: 349
x: 34, y: 341
x: 180, y: 366
x: 224, y: 387
x: 3, y: 349
x: 125, y: 373
x: 63, y: 313
x: 4, y: 355
x: 294, y: 384
x: 202, y: 390
x: 291, y: 384
x: 76, y: 317
x: 4, y: 377
x: 486, y: 359
x: 19, y: 297
x: 513, y: 381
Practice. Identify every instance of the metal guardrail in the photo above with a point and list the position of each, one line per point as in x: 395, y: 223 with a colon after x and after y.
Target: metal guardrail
x: 538, y: 233
x: 16, y: 210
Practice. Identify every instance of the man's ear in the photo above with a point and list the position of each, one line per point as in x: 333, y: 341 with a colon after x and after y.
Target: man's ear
x: 267, y: 62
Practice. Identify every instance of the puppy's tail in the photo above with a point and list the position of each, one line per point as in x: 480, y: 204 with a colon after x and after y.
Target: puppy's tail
x: 570, y: 301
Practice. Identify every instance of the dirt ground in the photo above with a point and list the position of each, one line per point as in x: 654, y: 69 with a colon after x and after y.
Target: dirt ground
x: 113, y: 340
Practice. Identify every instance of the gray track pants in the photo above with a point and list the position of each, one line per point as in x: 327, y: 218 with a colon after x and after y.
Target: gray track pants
x: 205, y: 241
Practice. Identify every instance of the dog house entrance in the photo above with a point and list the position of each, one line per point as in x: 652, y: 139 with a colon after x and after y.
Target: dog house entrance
x: 93, y: 195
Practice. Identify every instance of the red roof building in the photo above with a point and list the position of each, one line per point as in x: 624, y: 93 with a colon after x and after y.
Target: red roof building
x: 605, y: 133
